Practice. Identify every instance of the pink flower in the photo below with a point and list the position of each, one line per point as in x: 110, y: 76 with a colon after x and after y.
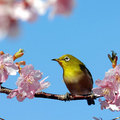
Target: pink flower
x: 63, y: 7
x: 8, y: 25
x: 112, y: 106
x: 40, y: 6
x: 109, y: 87
x: 7, y: 67
x: 24, y: 11
x: 28, y: 83
x: 106, y: 88
x: 11, y: 11
x: 20, y: 97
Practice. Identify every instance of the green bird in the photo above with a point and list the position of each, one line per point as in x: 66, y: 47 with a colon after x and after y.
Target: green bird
x: 76, y: 76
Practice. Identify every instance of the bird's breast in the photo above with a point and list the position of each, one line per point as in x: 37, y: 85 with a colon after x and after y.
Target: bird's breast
x: 77, y: 82
x: 71, y: 75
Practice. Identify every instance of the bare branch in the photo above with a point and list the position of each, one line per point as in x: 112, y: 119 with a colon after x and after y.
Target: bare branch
x: 54, y: 96
x: 116, y: 118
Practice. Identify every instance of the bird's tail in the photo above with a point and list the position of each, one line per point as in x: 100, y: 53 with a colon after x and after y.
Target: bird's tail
x: 90, y: 101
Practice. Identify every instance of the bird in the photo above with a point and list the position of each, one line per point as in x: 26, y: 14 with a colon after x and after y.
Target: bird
x: 76, y: 76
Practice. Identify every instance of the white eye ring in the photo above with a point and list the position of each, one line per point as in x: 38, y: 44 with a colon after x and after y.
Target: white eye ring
x: 67, y: 59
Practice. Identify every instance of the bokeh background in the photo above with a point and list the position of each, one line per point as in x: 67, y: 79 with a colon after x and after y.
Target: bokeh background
x: 89, y: 33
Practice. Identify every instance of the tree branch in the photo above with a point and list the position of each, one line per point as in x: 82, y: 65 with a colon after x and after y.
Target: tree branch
x: 55, y: 96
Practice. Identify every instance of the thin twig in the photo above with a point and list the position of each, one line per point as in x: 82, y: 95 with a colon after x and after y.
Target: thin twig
x: 116, y: 118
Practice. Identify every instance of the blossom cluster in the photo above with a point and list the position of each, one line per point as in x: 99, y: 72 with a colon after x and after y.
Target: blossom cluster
x: 109, y: 88
x: 28, y: 10
x: 28, y: 82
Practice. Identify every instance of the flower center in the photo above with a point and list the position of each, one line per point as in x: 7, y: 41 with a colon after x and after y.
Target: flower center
x: 30, y: 80
x: 106, y: 92
x: 1, y: 66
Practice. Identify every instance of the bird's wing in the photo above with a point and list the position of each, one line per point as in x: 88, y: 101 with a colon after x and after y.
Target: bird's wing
x: 83, y: 68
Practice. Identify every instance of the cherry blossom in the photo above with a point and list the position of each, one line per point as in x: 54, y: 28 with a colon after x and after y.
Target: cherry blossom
x: 11, y: 11
x: 24, y: 12
x: 40, y: 6
x: 63, y: 7
x: 7, y: 67
x: 8, y: 24
x: 109, y: 87
x: 28, y: 83
x: 112, y: 106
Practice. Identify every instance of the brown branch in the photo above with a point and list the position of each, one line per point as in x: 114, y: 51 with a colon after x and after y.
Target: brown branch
x: 54, y: 96
x: 2, y: 119
x: 116, y: 118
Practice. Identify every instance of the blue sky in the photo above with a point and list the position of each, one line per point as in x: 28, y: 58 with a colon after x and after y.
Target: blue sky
x: 90, y: 33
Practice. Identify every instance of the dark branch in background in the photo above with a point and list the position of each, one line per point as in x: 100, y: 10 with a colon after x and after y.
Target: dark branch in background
x: 54, y: 96
x: 116, y: 118
x: 2, y: 119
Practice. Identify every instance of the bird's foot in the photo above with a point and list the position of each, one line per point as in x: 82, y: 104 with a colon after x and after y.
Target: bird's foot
x: 67, y: 97
x: 92, y: 96
x: 90, y: 100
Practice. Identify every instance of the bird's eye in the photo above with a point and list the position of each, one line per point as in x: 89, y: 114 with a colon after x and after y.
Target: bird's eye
x: 66, y: 58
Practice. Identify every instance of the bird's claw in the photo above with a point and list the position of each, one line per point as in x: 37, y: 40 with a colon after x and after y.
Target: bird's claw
x: 67, y: 97
x: 92, y: 96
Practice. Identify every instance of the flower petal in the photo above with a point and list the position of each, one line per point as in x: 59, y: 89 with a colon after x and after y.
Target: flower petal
x: 20, y: 98
x: 37, y: 75
x: 12, y: 69
x: 27, y: 70
x: 98, y: 91
x: 13, y: 93
x: 3, y: 75
x: 6, y: 58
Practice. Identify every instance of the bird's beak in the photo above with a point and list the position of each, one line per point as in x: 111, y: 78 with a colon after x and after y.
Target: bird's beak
x: 55, y: 60
x: 58, y: 60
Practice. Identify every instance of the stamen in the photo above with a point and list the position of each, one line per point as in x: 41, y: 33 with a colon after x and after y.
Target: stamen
x: 1, y: 66
x: 106, y: 92
x: 29, y: 81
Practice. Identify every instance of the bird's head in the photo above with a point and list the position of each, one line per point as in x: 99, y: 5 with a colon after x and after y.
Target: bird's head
x: 67, y: 61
